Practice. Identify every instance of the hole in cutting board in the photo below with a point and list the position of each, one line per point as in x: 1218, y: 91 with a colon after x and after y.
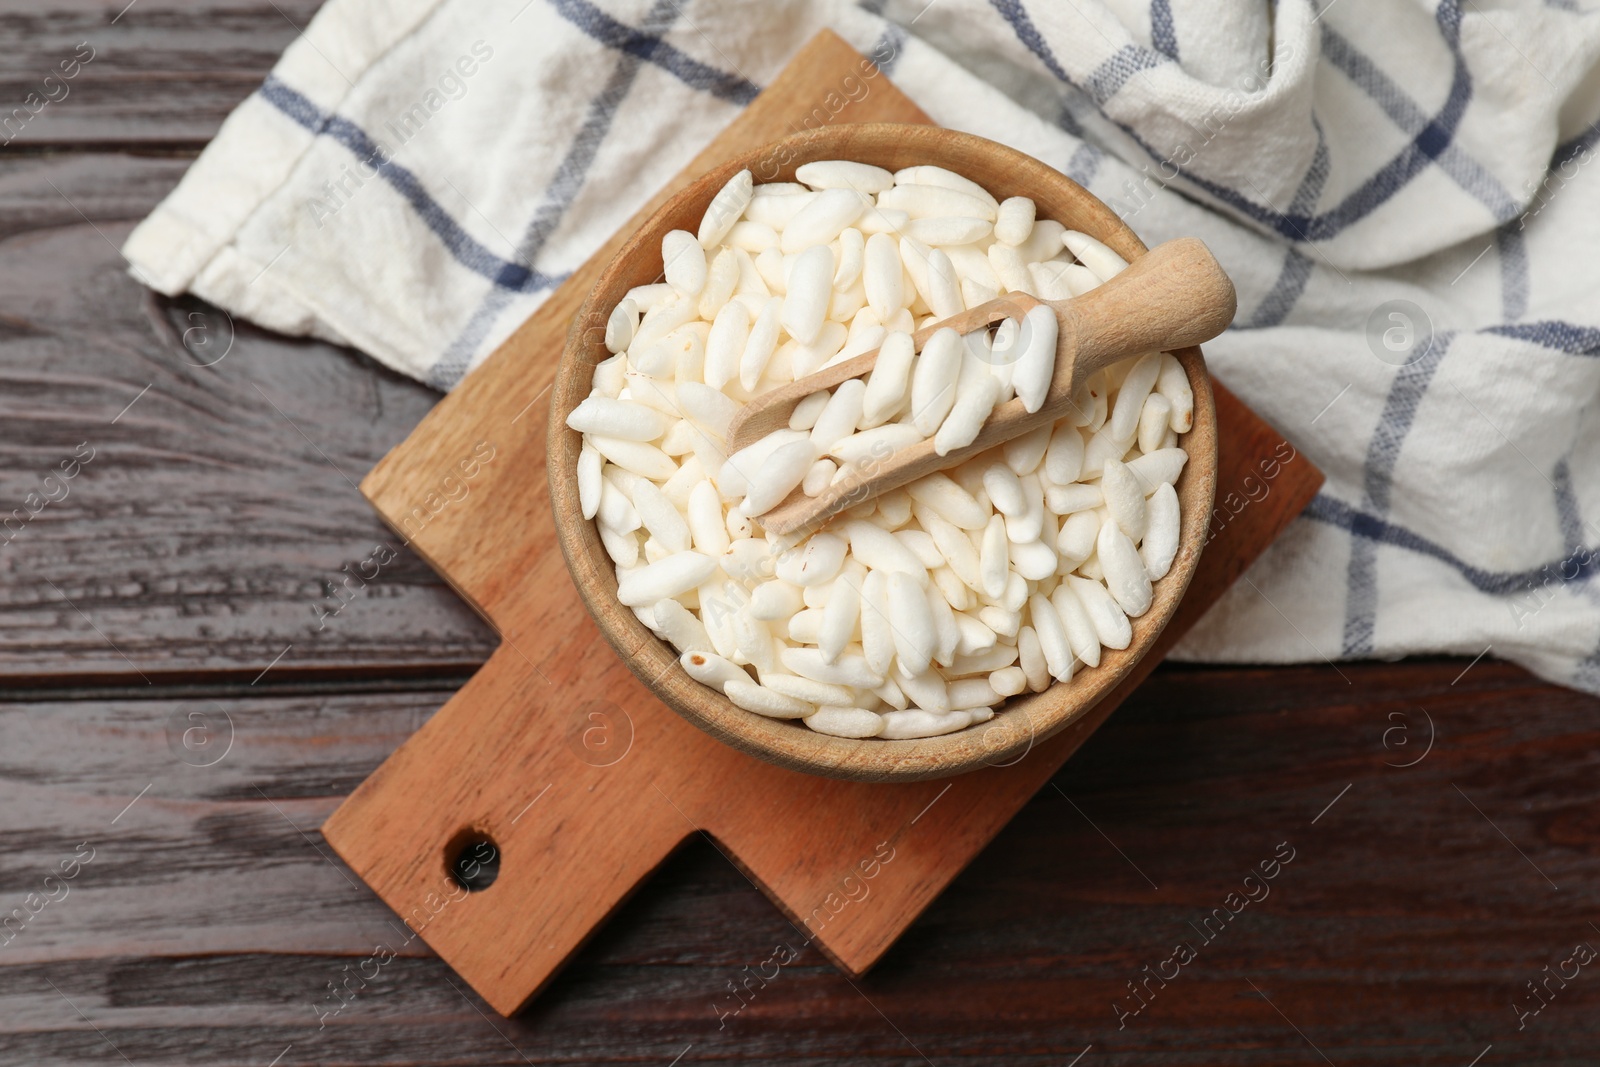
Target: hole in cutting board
x: 472, y: 860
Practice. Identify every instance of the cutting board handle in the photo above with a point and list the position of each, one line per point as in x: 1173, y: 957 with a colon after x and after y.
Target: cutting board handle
x: 516, y: 821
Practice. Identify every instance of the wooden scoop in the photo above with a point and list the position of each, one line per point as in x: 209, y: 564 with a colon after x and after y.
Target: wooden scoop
x: 1174, y: 296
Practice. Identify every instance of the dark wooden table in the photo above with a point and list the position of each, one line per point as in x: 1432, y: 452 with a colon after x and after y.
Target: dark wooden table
x: 170, y: 597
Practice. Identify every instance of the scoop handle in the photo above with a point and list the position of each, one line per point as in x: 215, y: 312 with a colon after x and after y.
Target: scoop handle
x: 1173, y: 296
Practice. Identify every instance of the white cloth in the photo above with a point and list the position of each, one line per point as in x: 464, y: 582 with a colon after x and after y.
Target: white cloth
x: 415, y: 176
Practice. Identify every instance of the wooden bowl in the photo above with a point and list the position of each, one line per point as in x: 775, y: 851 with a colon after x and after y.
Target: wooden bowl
x: 1023, y: 720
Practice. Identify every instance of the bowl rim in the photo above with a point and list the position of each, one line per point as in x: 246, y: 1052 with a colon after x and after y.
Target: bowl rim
x: 1022, y: 722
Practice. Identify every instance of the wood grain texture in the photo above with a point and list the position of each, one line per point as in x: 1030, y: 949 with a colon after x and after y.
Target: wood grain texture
x: 206, y: 929
x: 208, y: 530
x: 153, y: 74
x: 555, y: 720
x: 219, y: 512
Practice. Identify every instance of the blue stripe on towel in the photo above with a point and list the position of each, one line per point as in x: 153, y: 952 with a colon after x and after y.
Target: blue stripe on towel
x: 558, y: 197
x: 1106, y: 80
x: 890, y: 45
x: 1579, y: 563
x: 1084, y: 164
x: 1383, y: 454
x: 1409, y: 117
x: 462, y: 245
x: 1553, y: 334
x: 1568, y: 514
x: 1110, y: 76
x: 1285, y: 292
x: 1162, y: 34
x: 1013, y: 12
x: 1432, y: 139
x: 1316, y: 175
x: 1561, y: 336
x: 641, y: 44
x: 1068, y: 121
x: 1579, y: 146
x: 1296, y: 270
x: 1513, y: 254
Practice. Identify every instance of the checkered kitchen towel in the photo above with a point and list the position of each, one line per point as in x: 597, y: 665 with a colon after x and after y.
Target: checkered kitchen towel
x: 1400, y: 190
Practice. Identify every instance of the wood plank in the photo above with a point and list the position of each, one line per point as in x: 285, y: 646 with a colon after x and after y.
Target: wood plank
x: 162, y: 74
x: 202, y: 829
x: 1400, y: 933
x: 219, y: 510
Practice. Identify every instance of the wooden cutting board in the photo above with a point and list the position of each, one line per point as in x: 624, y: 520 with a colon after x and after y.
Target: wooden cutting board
x: 579, y: 778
